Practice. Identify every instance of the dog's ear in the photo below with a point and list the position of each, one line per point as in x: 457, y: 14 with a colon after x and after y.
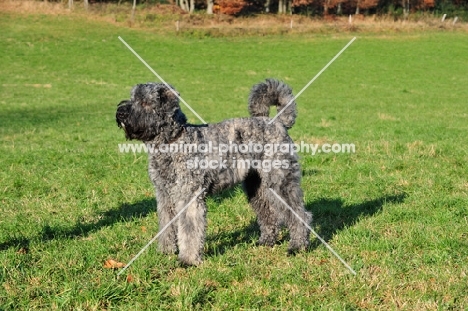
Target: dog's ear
x: 169, y: 98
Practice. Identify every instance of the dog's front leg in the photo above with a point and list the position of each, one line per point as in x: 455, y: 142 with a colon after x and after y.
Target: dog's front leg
x: 167, y: 242
x: 191, y: 231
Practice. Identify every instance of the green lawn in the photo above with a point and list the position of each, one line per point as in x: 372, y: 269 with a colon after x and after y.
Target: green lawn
x: 396, y: 210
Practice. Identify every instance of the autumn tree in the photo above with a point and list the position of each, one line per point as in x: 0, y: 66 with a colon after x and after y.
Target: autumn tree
x: 366, y: 5
x: 231, y: 7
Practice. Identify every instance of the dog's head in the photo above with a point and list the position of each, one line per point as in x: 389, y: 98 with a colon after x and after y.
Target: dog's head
x: 153, y: 111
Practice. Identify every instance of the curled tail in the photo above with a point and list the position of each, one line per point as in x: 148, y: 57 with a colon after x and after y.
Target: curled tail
x: 273, y: 93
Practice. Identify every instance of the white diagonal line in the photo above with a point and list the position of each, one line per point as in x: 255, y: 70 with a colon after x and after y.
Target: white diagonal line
x: 311, y: 81
x: 161, y: 79
x: 315, y: 233
x: 160, y: 232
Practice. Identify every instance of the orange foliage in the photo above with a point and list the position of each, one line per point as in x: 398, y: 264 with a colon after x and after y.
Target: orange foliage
x: 422, y: 4
x: 428, y: 3
x: 301, y: 2
x: 367, y: 4
x: 230, y: 7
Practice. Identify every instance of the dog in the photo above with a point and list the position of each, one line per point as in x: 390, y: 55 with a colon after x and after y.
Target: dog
x: 153, y: 115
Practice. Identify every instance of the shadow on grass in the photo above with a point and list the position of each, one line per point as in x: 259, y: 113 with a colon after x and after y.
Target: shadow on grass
x: 123, y: 213
x: 333, y: 215
x: 224, y: 241
x: 329, y: 217
x: 24, y: 118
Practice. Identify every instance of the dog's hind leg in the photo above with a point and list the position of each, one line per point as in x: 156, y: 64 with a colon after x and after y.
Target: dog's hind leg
x: 267, y: 216
x: 290, y: 191
x: 298, y: 230
x: 191, y: 230
x: 167, y: 241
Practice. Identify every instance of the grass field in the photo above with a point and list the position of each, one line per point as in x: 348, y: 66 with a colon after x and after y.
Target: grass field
x: 396, y: 210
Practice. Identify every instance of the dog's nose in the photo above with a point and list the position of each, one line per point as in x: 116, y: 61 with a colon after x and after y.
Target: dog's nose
x: 119, y: 118
x: 122, y: 113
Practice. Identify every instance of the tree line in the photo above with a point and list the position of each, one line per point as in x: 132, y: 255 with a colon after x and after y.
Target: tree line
x: 396, y: 8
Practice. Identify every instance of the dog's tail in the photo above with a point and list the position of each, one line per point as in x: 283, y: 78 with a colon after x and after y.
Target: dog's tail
x: 273, y: 93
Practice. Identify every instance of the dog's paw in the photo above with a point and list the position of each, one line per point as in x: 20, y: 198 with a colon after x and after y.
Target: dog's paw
x: 297, y: 246
x: 190, y: 261
x: 266, y: 241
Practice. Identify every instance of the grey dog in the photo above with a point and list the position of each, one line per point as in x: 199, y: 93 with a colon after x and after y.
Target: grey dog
x: 153, y: 115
